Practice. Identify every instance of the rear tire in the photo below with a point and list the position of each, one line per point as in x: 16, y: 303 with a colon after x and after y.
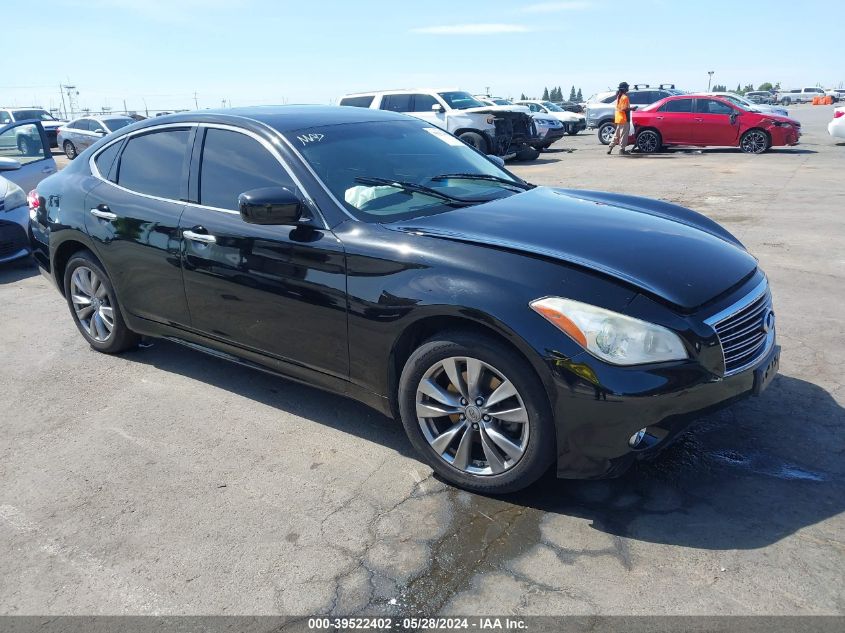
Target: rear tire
x: 571, y: 131
x: 70, y: 150
x: 93, y: 305
x: 480, y: 464
x: 526, y: 154
x: 606, y: 132
x: 475, y: 140
x: 649, y: 141
x: 24, y: 146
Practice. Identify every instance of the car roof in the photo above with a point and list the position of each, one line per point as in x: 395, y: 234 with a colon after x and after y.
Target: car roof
x: 370, y: 93
x: 283, y: 118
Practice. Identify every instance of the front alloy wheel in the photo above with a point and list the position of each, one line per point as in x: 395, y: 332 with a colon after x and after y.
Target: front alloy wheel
x: 477, y: 412
x: 754, y: 142
x: 472, y: 416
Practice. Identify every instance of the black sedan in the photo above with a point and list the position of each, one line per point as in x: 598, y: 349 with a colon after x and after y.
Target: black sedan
x: 510, y: 327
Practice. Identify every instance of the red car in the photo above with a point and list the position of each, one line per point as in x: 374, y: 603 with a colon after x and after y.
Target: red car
x: 707, y: 120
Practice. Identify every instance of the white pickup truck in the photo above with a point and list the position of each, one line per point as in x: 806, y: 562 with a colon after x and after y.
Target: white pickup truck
x: 798, y: 95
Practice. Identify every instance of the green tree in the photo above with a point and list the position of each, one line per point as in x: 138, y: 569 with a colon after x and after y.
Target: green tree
x: 545, y: 94
x: 559, y: 94
x: 738, y: 89
x: 720, y: 88
x: 572, y: 96
x: 579, y: 97
x: 765, y: 86
x: 522, y: 97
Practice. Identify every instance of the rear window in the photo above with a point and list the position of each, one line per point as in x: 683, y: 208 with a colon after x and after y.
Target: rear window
x: 396, y: 103
x: 152, y: 163
x: 105, y: 159
x: 677, y: 105
x: 358, y: 102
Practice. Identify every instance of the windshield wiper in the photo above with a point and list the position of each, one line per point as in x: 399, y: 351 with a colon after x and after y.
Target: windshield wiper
x: 525, y: 186
x: 415, y: 188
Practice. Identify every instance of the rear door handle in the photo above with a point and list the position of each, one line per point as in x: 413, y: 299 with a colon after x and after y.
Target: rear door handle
x: 199, y: 237
x: 102, y: 211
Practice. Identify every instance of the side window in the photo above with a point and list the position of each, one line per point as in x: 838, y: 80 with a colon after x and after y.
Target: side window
x: 396, y: 103
x: 23, y: 143
x: 641, y: 97
x: 105, y: 159
x: 358, y: 102
x: 711, y: 106
x: 424, y: 103
x: 533, y: 107
x: 233, y: 163
x: 5, y: 117
x: 152, y: 163
x: 677, y: 105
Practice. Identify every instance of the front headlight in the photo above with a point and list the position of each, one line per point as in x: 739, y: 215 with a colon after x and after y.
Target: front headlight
x: 15, y: 197
x: 610, y: 336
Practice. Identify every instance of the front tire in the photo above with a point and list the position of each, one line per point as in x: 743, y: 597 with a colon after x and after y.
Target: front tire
x: 477, y: 413
x: 754, y: 142
x: 24, y: 146
x: 93, y: 305
x: 475, y: 140
x: 606, y: 132
x: 527, y: 153
x: 649, y: 141
x: 70, y: 150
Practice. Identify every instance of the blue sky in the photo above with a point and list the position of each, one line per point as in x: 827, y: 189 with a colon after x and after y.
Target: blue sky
x: 259, y: 51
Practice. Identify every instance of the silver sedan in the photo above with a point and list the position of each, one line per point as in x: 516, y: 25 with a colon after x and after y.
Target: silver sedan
x: 80, y: 134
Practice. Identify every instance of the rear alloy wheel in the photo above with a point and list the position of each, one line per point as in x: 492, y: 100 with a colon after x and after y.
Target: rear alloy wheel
x: 606, y: 132
x: 649, y: 141
x: 476, y: 140
x: 476, y: 412
x: 754, y: 142
x: 70, y: 150
x: 94, y: 307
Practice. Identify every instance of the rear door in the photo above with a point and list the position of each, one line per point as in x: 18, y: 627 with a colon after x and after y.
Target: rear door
x: 674, y: 119
x: 133, y: 217
x: 27, y: 143
x: 715, y: 123
x: 275, y: 290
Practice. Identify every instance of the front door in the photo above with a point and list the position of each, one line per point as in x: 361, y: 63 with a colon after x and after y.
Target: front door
x: 133, y: 217
x: 716, y: 123
x: 276, y: 290
x: 28, y: 145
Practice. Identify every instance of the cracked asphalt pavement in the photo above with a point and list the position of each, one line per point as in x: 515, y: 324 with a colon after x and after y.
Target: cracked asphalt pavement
x: 164, y: 481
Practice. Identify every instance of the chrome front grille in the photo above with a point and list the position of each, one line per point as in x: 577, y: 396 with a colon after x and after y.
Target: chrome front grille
x: 746, y: 329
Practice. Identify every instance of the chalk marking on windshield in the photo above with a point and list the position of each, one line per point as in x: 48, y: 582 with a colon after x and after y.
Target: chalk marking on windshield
x: 443, y: 136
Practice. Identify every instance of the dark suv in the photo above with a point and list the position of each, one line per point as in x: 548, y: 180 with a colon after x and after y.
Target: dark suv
x: 601, y: 107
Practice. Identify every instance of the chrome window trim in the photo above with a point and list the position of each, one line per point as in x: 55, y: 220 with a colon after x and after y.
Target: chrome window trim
x: 759, y: 290
x: 194, y: 124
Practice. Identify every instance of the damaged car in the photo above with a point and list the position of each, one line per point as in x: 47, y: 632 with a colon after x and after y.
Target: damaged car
x: 505, y: 131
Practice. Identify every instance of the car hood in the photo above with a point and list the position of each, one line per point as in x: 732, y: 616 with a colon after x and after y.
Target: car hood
x: 665, y: 250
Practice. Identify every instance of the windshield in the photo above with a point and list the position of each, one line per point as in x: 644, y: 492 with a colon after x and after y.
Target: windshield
x: 117, y: 123
x: 41, y: 115
x: 343, y: 156
x: 460, y: 100
x: 551, y: 106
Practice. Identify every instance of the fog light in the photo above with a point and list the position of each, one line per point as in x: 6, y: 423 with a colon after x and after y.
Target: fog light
x: 637, y: 438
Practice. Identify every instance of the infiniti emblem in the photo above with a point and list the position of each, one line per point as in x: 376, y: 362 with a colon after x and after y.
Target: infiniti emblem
x: 473, y: 414
x: 769, y: 322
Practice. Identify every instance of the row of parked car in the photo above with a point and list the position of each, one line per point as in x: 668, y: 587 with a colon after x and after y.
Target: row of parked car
x: 493, y: 125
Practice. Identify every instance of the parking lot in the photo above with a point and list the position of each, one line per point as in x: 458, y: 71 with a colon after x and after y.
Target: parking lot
x: 166, y: 481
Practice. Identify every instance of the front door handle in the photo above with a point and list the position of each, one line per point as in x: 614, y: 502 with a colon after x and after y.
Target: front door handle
x: 698, y: 120
x: 48, y: 170
x: 199, y: 237
x: 102, y: 211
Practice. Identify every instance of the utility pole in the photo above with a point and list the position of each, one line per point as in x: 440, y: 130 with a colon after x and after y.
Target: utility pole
x: 487, y: 90
x: 709, y: 79
x: 72, y: 93
x: 146, y: 109
x: 61, y: 92
x: 125, y: 111
x: 196, y: 103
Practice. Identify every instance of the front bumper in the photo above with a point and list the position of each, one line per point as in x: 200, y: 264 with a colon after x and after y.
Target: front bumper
x: 14, y: 240
x: 595, y: 420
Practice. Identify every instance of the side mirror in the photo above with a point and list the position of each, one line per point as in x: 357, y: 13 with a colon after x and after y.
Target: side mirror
x: 734, y: 116
x: 497, y: 160
x: 100, y: 131
x: 9, y: 164
x: 438, y: 108
x: 270, y: 205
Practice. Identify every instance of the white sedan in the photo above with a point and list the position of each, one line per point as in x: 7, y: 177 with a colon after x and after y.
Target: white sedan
x: 573, y: 121
x: 836, y: 128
